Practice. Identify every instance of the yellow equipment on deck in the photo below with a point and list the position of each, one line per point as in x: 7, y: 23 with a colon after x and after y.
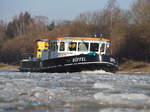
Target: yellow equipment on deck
x: 41, y: 45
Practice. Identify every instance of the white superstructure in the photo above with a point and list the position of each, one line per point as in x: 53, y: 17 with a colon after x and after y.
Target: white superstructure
x: 69, y: 46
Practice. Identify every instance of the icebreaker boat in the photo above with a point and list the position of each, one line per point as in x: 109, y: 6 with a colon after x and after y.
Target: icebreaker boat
x: 71, y: 54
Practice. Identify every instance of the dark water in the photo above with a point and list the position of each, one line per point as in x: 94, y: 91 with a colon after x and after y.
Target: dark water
x: 74, y: 92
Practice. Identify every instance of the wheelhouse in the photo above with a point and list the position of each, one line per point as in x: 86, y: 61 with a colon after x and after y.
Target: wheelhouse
x: 68, y: 46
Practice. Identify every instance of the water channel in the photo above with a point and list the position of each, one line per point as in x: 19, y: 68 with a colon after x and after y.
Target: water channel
x: 87, y: 91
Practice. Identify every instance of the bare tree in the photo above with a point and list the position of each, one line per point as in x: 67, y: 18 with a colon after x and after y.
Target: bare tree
x: 3, y: 27
x: 42, y: 21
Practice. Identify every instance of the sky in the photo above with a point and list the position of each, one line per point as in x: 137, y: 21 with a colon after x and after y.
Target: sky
x: 53, y: 9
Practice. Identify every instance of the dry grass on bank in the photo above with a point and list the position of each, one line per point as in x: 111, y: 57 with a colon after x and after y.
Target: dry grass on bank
x: 134, y: 66
x: 6, y: 66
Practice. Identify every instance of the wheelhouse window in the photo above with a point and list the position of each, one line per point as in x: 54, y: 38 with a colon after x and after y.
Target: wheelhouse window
x: 54, y: 46
x: 94, y: 47
x: 82, y: 46
x: 108, y: 50
x: 72, y: 46
x: 62, y: 46
x: 102, y: 49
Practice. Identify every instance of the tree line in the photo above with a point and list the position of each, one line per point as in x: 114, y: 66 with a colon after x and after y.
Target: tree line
x: 128, y: 30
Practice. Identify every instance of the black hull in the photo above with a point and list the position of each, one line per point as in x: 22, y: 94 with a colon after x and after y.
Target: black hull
x: 71, y: 64
x: 83, y: 67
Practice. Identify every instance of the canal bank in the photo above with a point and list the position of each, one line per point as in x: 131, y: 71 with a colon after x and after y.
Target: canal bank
x: 8, y: 66
x: 134, y: 66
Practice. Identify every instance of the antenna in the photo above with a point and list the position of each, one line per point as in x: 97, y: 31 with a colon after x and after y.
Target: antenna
x: 61, y: 34
x: 101, y: 35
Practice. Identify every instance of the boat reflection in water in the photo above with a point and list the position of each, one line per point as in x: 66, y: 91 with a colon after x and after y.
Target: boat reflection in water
x: 71, y: 54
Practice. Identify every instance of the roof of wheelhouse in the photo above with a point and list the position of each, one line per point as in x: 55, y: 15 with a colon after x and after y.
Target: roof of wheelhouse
x: 91, y: 38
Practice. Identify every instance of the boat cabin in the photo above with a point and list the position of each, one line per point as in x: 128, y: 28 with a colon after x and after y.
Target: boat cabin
x: 70, y: 46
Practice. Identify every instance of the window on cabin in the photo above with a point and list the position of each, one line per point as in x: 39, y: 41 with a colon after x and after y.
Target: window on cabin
x: 51, y: 46
x: 102, y: 49
x: 108, y: 50
x: 82, y: 46
x: 94, y: 47
x: 62, y: 46
x: 54, y: 46
x: 72, y: 46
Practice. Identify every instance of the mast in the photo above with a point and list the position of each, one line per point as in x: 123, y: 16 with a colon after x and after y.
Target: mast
x: 110, y: 8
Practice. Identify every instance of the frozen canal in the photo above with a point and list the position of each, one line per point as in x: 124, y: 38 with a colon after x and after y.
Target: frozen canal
x: 74, y: 92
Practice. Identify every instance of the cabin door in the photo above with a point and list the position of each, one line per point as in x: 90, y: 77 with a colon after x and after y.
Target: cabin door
x: 54, y: 50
